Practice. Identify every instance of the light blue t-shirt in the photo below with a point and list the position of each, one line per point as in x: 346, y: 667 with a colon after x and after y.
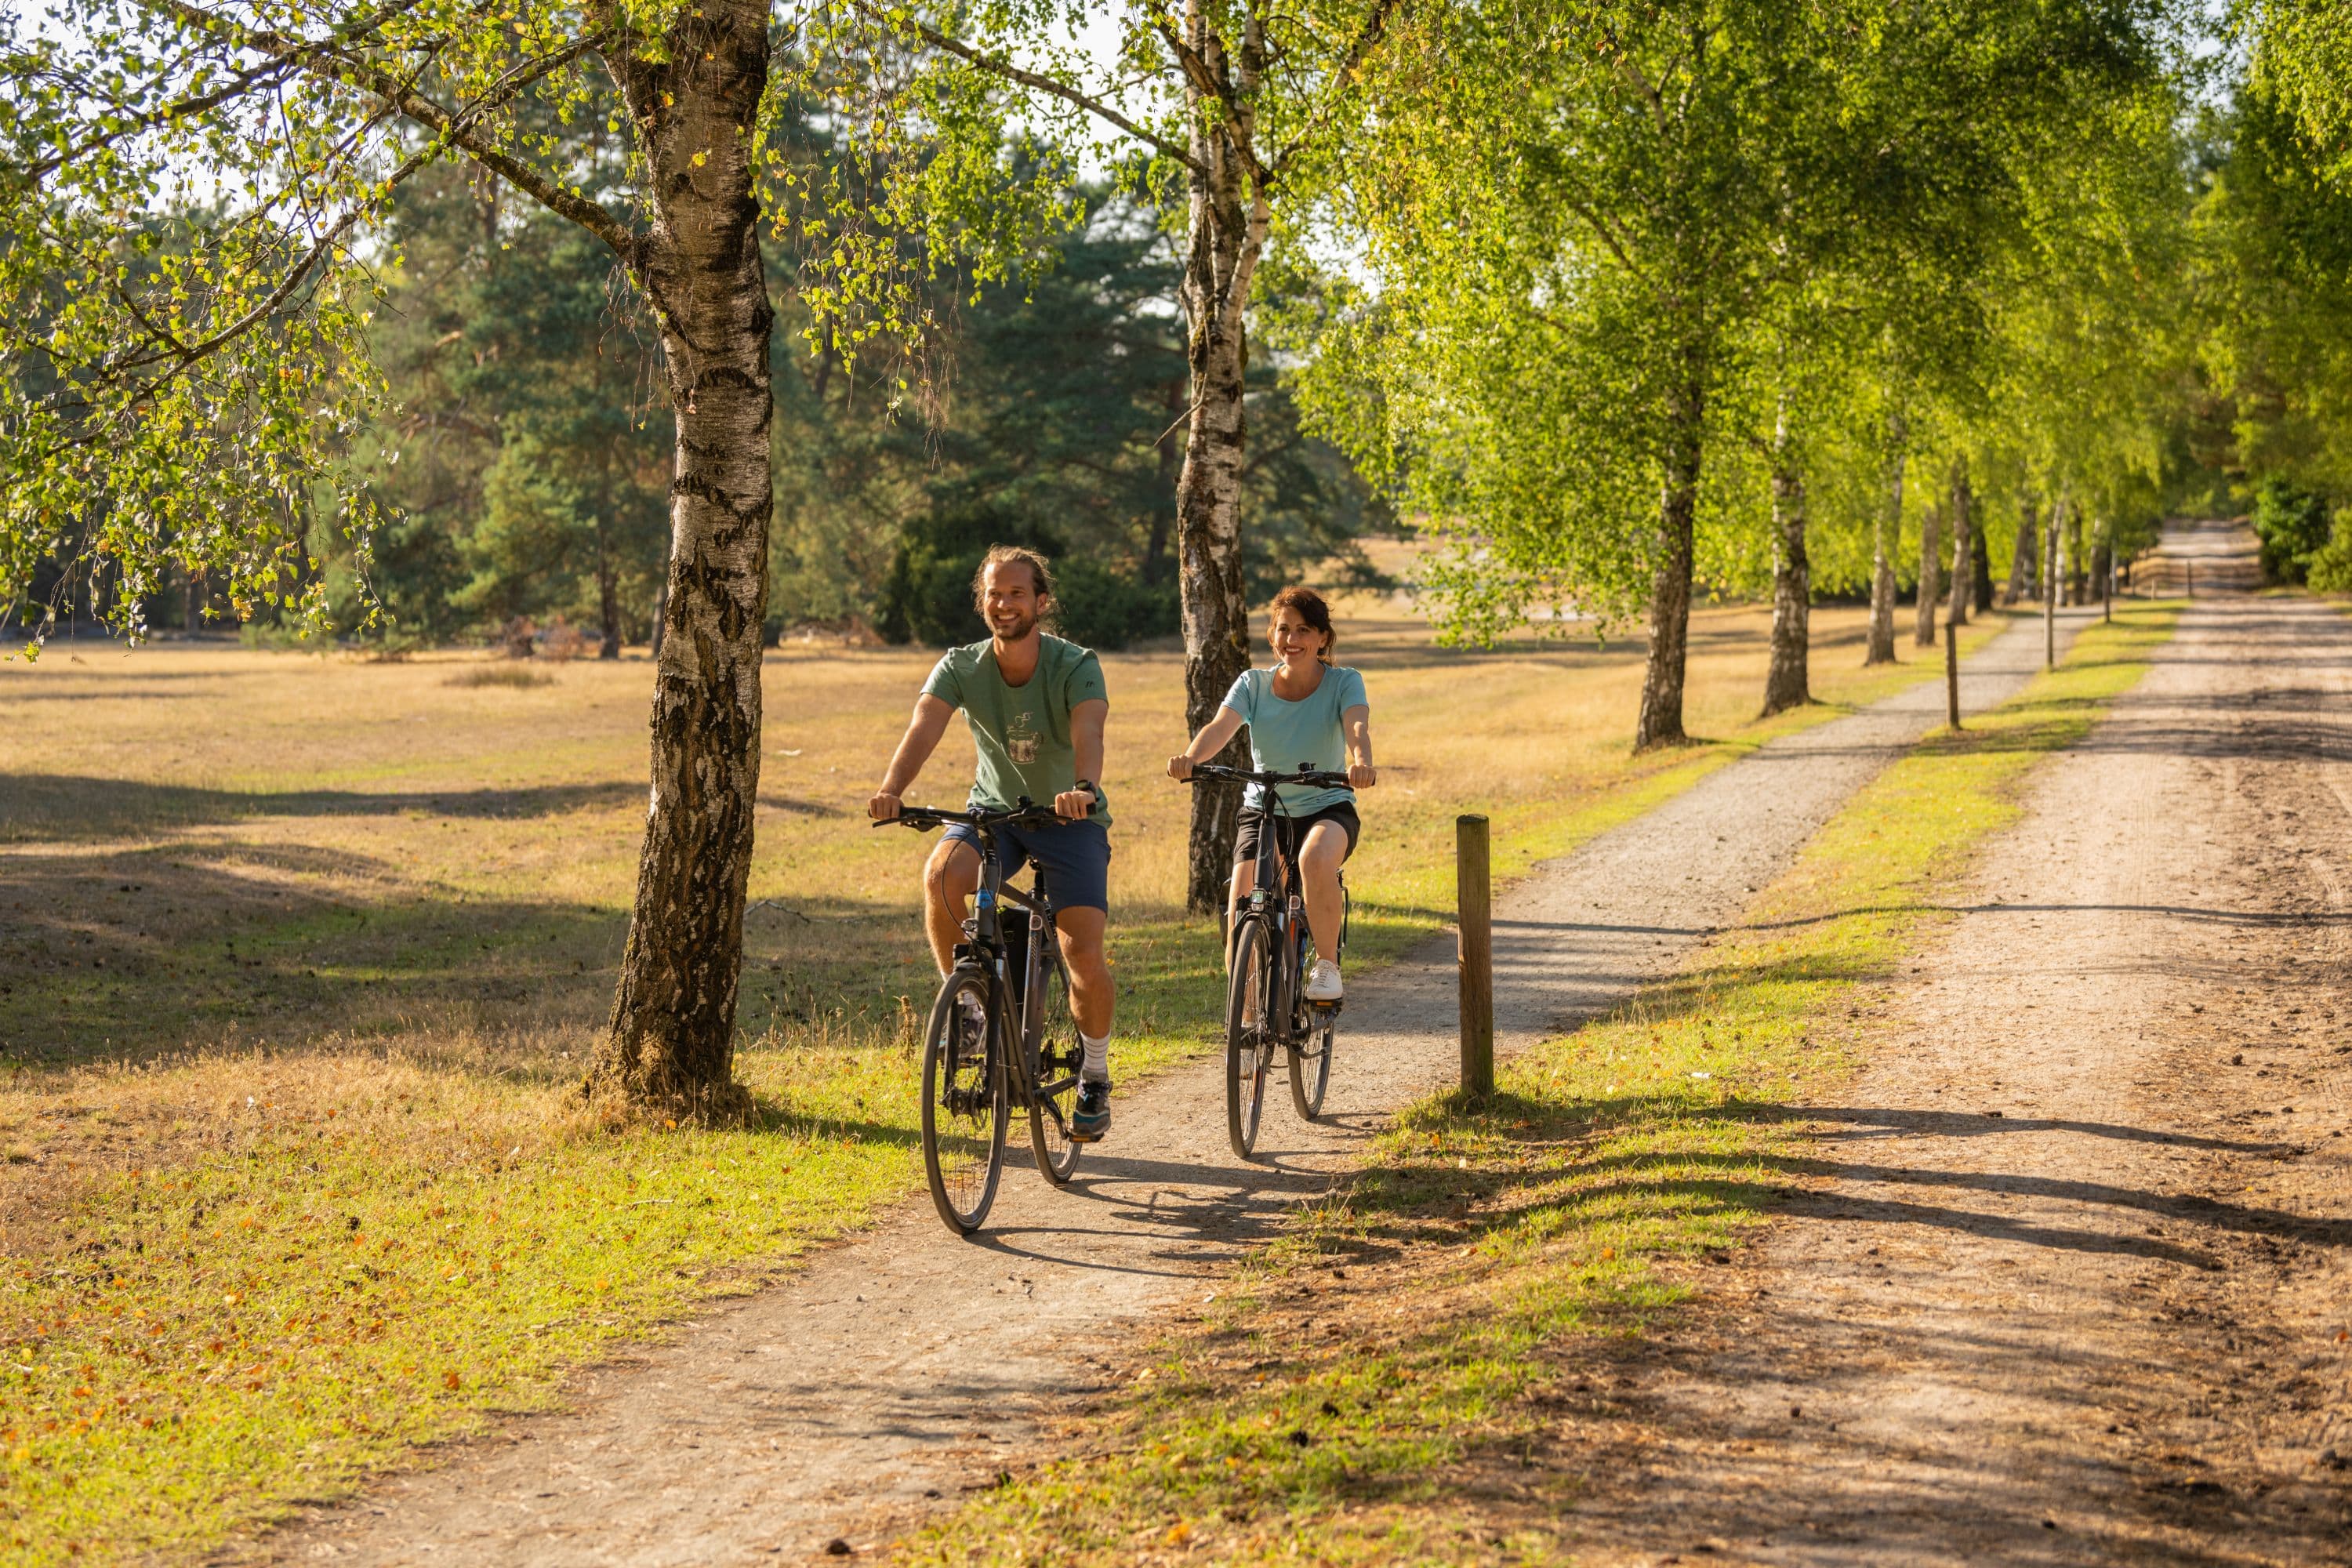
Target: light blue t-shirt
x: 1285, y: 735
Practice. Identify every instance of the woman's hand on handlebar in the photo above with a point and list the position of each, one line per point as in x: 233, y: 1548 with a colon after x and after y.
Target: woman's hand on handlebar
x: 883, y: 807
x: 1363, y: 775
x: 1180, y: 768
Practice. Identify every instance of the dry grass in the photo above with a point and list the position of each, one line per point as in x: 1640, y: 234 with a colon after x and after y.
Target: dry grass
x: 210, y: 851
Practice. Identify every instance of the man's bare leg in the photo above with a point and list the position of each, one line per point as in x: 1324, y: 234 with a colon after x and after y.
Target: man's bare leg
x: 1090, y: 985
x: 950, y: 879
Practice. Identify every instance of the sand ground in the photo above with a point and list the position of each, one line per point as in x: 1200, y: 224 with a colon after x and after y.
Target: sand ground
x: 2070, y: 1281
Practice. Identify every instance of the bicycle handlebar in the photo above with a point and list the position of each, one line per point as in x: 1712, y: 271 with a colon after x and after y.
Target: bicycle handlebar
x: 1028, y: 813
x: 1317, y: 777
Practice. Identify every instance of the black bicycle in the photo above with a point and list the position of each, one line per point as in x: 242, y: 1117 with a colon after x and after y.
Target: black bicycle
x: 1000, y: 1033
x: 1267, y: 956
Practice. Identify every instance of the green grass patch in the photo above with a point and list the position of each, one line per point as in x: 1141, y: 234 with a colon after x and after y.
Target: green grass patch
x: 1376, y: 1386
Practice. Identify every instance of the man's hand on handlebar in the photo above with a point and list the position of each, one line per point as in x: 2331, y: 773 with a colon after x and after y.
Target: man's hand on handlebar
x: 1180, y: 768
x: 883, y: 807
x: 1363, y: 775
x: 1072, y: 805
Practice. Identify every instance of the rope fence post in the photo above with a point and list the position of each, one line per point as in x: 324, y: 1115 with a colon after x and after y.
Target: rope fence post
x: 1473, y: 901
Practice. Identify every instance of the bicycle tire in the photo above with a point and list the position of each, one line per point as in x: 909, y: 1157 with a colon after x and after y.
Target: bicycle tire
x: 1247, y: 1046
x: 1310, y: 1053
x: 1310, y: 1063
x: 1053, y: 1098
x: 963, y: 1109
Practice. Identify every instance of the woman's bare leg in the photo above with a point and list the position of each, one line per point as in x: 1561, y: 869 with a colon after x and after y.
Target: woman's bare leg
x: 1319, y: 860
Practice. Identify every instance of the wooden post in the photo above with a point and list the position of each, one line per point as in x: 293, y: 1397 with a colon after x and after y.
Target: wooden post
x: 1474, y: 899
x: 1952, y: 673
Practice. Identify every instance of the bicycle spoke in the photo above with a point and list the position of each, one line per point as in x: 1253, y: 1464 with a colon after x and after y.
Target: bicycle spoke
x: 1056, y: 1097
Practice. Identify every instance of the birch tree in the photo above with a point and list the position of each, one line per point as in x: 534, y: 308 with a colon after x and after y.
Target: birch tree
x: 1248, y: 103
x: 191, y: 220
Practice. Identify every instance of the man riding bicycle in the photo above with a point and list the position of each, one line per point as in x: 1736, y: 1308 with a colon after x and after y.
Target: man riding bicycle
x: 1036, y: 705
x: 1303, y: 712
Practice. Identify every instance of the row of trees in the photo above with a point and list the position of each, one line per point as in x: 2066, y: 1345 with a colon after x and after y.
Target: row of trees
x: 528, y: 468
x: 1627, y: 296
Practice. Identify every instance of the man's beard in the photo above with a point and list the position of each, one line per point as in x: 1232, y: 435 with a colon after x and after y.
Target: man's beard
x: 1022, y: 626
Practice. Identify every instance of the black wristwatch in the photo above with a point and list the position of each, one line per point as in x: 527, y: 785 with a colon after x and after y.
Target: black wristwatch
x: 1091, y: 788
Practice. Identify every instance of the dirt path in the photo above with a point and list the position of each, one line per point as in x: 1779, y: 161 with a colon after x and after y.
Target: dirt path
x: 2069, y: 1282
x: 897, y: 1368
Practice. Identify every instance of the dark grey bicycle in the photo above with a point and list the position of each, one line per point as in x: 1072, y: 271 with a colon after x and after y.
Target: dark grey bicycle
x: 1266, y: 954
x: 1000, y: 1033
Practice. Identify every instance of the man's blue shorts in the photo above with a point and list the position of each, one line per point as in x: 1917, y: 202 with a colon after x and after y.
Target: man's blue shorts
x: 1074, y: 858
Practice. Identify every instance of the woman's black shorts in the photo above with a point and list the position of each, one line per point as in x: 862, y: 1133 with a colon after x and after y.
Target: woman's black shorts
x: 1253, y: 827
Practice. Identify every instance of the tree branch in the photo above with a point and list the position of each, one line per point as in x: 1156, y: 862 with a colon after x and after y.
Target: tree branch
x: 333, y: 60
x: 1210, y: 83
x: 1368, y: 39
x: 188, y: 353
x: 257, y: 78
x: 997, y: 65
x: 1599, y: 225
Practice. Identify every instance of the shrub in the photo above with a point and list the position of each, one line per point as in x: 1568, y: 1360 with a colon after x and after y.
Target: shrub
x: 2331, y: 563
x: 2292, y: 524
x: 927, y: 597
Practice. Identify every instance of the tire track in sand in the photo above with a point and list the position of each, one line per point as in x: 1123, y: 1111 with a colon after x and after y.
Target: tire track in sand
x: 2068, y: 1281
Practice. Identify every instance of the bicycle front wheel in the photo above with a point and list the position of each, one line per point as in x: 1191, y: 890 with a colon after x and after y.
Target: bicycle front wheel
x: 1055, y: 1097
x: 1249, y: 1034
x: 1310, y: 1062
x: 964, y: 1104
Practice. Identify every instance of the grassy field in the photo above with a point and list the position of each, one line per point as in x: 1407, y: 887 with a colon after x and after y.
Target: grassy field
x: 300, y: 956
x: 1399, y: 1379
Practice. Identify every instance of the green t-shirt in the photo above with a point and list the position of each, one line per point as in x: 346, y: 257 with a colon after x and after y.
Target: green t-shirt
x: 1022, y: 733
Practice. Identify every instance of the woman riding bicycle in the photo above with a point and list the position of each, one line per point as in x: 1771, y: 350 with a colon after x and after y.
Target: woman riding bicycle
x: 1303, y: 712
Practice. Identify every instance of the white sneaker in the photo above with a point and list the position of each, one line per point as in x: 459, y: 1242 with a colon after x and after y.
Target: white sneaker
x: 1323, y: 981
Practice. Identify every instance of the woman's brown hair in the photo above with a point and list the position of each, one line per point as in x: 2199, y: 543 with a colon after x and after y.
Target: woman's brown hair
x: 1313, y: 611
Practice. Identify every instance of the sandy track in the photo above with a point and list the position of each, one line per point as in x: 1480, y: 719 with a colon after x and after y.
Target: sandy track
x: 2070, y: 1278
x: 899, y: 1367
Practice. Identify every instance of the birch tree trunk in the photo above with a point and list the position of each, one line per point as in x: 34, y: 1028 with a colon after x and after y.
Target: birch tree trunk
x: 2050, y: 584
x: 1661, y: 722
x: 671, y: 1038
x: 1963, y: 544
x: 1931, y: 565
x: 2077, y: 587
x: 608, y: 569
x: 2020, y: 564
x: 1882, y: 560
x: 1786, y: 684
x: 1228, y: 223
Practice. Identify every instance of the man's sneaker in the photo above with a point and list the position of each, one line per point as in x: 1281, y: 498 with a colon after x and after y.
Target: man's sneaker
x: 1091, y: 1120
x: 1323, y: 981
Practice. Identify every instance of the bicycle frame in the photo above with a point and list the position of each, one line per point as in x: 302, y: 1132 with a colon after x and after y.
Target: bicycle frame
x: 1277, y: 899
x: 986, y: 947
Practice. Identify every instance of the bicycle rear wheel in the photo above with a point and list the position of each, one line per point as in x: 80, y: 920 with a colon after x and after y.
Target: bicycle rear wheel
x: 963, y: 1105
x: 1249, y: 1033
x: 1056, y: 1097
